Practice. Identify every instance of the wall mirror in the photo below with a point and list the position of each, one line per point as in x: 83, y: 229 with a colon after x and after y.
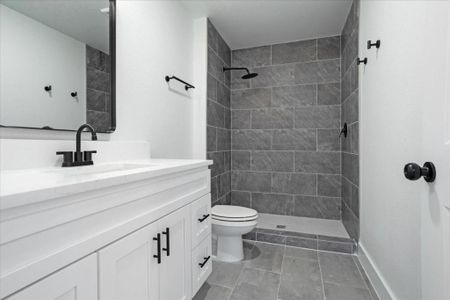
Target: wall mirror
x: 57, y: 64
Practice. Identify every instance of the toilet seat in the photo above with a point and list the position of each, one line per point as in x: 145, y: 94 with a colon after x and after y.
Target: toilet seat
x: 231, y: 213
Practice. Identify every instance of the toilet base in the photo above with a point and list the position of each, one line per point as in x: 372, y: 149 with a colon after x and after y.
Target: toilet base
x: 230, y: 248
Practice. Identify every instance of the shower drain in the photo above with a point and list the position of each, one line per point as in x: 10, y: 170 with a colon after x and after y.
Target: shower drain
x: 281, y: 226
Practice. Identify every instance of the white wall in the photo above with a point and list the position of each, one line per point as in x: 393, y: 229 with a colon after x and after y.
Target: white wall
x: 34, y: 55
x: 392, y: 96
x: 154, y: 39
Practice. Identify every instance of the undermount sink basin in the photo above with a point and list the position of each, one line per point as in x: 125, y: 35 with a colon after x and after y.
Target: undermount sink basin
x: 100, y: 169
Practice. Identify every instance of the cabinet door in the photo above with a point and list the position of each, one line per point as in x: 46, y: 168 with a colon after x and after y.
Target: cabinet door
x: 175, y: 269
x: 75, y: 282
x: 127, y: 268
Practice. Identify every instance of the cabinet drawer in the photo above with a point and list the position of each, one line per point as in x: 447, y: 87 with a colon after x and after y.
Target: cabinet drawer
x: 201, y: 264
x: 201, y: 219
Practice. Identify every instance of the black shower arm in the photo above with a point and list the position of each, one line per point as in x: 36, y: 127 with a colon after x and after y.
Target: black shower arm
x: 240, y: 68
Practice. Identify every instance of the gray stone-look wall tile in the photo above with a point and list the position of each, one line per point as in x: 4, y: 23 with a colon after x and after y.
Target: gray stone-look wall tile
x: 251, y: 139
x: 317, y: 207
x: 350, y: 109
x: 250, y: 181
x: 213, y: 37
x: 218, y: 166
x: 240, y: 119
x: 350, y: 167
x: 218, y: 118
x: 321, y: 71
x: 101, y: 121
x: 294, y: 52
x: 294, y: 139
x: 317, y: 117
x: 211, y: 139
x: 350, y: 221
x: 252, y: 57
x: 215, y: 114
x: 223, y: 94
x: 211, y: 90
x: 223, y: 139
x: 224, y: 51
x: 318, y: 162
x: 329, y: 94
x: 272, y: 203
x: 274, y: 76
x: 272, y: 161
x: 294, y: 183
x: 241, y: 198
x: 272, y: 118
x: 328, y: 140
x: 349, y: 81
x: 252, y: 98
x: 329, y: 185
x: 240, y: 160
x: 294, y: 96
x: 329, y: 47
x: 215, y: 65
x: 98, y: 80
x: 96, y: 100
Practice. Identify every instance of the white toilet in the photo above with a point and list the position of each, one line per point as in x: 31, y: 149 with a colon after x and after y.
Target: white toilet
x: 229, y: 223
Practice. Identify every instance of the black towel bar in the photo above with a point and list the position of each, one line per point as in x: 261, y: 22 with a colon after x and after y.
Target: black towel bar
x: 187, y: 86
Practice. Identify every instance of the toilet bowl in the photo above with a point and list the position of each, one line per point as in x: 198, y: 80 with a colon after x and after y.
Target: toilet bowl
x: 229, y: 223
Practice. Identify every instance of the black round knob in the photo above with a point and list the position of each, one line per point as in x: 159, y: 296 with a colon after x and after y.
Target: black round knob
x: 413, y: 171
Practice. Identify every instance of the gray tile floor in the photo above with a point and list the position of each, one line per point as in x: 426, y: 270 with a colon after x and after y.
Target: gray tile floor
x: 273, y: 272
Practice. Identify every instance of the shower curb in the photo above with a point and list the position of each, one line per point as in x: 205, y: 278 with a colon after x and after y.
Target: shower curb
x: 303, y: 240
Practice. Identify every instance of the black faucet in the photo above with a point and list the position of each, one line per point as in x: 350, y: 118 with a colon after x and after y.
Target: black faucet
x: 78, y: 158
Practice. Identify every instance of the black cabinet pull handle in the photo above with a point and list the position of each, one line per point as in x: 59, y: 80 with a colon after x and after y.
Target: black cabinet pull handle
x: 413, y: 171
x: 167, y: 234
x: 202, y: 264
x: 204, y: 218
x: 158, y: 242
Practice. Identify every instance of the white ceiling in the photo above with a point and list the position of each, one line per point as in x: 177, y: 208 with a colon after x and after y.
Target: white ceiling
x: 80, y: 19
x: 253, y: 23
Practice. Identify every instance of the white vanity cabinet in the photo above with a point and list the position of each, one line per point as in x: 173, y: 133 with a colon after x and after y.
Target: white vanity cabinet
x: 141, y: 239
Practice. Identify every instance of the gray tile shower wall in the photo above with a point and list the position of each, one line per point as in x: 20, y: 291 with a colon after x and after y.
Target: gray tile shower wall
x: 218, y: 117
x: 349, y: 115
x: 98, y: 89
x: 285, y: 150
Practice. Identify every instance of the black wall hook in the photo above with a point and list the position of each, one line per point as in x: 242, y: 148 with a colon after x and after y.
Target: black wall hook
x: 74, y: 94
x: 377, y: 44
x: 344, y: 131
x: 48, y: 88
x: 360, y: 61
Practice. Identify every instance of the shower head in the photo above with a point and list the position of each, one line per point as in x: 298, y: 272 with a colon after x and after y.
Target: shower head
x: 249, y: 75
x: 245, y: 76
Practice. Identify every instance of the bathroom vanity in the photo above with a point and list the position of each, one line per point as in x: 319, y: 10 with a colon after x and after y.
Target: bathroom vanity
x: 121, y: 230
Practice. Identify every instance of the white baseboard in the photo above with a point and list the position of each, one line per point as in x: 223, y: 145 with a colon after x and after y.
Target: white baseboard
x: 378, y: 282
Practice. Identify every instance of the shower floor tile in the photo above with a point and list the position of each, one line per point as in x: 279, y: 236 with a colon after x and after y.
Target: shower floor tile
x: 305, y: 225
x: 296, y: 273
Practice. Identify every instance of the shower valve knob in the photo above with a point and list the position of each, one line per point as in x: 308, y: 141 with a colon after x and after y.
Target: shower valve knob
x: 413, y: 171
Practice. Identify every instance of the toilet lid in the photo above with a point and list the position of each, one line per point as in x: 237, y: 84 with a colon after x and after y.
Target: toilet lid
x: 233, y: 212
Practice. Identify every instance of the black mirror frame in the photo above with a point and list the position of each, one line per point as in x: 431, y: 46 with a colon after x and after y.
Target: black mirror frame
x: 112, y: 46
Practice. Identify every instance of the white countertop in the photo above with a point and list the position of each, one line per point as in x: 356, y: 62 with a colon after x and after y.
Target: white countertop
x: 26, y: 186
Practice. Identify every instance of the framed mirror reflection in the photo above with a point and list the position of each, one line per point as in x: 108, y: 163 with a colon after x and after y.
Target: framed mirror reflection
x: 57, y: 64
